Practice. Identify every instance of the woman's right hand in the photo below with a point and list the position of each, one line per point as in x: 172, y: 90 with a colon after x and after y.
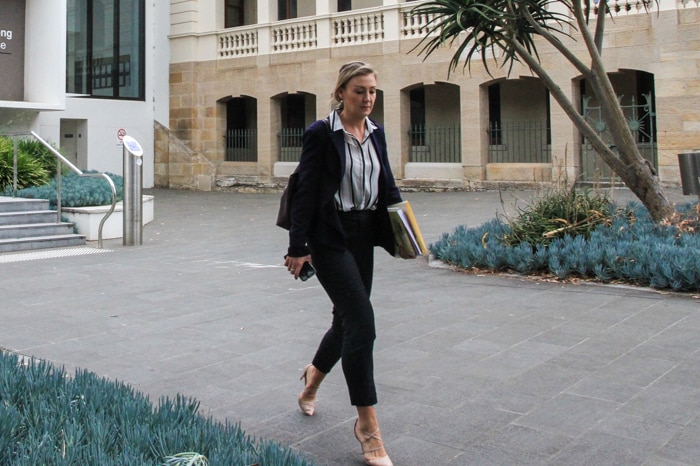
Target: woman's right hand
x: 294, y: 264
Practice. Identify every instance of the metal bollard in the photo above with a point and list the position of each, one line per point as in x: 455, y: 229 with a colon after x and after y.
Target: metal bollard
x: 133, y: 184
x: 689, y: 165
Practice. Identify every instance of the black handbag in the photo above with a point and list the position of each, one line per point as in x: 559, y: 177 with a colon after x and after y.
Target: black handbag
x: 284, y: 214
x: 284, y: 217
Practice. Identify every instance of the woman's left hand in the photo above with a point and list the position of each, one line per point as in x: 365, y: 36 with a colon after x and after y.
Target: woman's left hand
x: 294, y: 264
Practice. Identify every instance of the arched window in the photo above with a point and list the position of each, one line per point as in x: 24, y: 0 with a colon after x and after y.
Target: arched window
x: 241, y: 134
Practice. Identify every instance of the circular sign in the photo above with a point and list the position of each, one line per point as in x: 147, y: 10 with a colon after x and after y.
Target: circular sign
x: 133, y: 146
x: 121, y: 133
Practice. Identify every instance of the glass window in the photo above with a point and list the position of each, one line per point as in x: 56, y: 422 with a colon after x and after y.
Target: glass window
x: 417, y: 97
x: 105, y: 48
x: 496, y: 132
x: 294, y: 111
x: 241, y: 136
x: 286, y: 9
x: 76, y: 47
x: 234, y: 14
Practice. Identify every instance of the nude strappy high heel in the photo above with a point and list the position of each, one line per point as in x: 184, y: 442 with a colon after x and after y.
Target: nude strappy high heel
x: 307, y: 397
x: 365, y: 438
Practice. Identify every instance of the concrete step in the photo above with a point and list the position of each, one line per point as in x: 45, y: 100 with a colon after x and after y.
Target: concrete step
x: 27, y: 224
x: 35, y: 229
x: 24, y: 218
x: 41, y: 242
x: 18, y: 204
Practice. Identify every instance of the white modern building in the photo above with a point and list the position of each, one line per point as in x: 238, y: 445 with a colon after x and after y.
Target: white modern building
x: 83, y: 73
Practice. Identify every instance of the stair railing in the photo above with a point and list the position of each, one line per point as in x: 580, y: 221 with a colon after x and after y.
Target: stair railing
x: 61, y: 159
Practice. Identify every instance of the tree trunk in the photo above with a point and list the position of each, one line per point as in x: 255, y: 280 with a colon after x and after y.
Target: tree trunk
x: 628, y: 163
x: 645, y: 185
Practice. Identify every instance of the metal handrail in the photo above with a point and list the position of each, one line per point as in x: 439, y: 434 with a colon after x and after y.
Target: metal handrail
x: 78, y: 171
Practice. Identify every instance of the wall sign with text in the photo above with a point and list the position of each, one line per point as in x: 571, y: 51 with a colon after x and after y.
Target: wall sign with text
x: 12, y: 50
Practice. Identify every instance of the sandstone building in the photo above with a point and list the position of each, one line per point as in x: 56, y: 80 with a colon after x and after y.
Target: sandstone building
x: 246, y: 77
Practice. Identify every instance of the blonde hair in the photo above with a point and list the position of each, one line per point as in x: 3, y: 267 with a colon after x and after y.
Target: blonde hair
x: 346, y: 73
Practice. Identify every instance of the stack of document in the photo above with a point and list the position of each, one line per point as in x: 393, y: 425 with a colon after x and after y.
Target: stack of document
x: 407, y: 236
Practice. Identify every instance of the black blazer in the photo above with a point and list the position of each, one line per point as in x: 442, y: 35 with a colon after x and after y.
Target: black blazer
x: 314, y: 217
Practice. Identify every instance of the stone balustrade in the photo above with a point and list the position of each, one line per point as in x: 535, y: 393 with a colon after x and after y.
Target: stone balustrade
x: 360, y: 27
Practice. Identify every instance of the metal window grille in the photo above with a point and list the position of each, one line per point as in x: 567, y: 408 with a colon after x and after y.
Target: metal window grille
x: 290, y: 144
x: 519, y: 142
x: 436, y: 144
x: 241, y: 145
x: 641, y: 119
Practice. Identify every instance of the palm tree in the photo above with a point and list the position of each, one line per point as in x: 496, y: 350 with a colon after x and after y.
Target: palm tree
x: 510, y: 28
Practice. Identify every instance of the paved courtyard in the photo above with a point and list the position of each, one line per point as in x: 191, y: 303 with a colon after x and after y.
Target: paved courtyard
x: 472, y: 369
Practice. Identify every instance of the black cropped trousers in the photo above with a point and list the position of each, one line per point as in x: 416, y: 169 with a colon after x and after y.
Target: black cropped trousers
x: 346, y: 276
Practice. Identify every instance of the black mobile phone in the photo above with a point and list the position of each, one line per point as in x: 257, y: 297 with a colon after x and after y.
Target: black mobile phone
x: 307, y: 271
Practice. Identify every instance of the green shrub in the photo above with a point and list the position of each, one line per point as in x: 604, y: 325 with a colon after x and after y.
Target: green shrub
x: 48, y: 418
x: 559, y: 213
x: 30, y: 170
x: 77, y: 191
x: 38, y: 151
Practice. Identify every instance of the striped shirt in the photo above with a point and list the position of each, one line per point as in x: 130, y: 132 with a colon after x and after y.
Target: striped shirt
x: 359, y: 188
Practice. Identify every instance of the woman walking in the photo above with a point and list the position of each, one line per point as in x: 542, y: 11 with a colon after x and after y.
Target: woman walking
x: 338, y: 215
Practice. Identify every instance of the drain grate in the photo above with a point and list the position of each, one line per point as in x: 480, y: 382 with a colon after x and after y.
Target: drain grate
x: 49, y: 254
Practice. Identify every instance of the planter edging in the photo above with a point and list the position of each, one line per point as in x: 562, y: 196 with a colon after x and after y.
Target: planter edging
x: 87, y: 219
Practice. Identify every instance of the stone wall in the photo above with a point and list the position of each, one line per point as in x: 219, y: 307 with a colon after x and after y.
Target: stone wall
x: 179, y: 166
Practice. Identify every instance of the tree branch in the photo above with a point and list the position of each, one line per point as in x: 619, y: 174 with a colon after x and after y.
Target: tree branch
x: 573, y: 59
x: 597, y: 67
x: 600, y: 24
x: 581, y: 124
x: 603, y: 90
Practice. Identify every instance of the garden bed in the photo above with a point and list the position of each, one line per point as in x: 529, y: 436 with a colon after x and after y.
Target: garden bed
x: 87, y: 219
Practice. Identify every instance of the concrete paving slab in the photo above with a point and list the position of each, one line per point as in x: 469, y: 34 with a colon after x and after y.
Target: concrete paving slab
x: 472, y: 369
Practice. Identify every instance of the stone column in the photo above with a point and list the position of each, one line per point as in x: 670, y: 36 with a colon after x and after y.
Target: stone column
x: 268, y: 144
x: 473, y: 124
x: 566, y: 146
x: 323, y: 7
x: 393, y: 124
x: 323, y: 23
